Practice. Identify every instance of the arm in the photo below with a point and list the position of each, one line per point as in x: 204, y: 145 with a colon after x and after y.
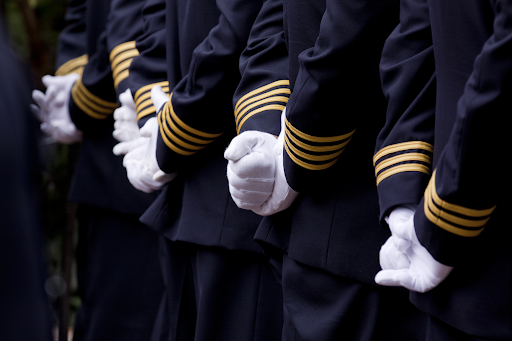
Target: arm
x: 404, y: 146
x: 149, y: 68
x: 255, y: 172
x: 471, y: 171
x: 71, y: 49
x: 263, y: 91
x: 340, y: 72
x: 199, y: 110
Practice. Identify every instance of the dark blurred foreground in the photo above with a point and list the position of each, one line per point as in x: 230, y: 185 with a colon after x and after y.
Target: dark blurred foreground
x: 32, y: 28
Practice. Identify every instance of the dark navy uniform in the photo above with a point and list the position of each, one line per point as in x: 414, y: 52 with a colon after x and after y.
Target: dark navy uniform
x: 24, y: 307
x: 460, y: 214
x: 228, y: 291
x: 120, y: 282
x: 324, y: 245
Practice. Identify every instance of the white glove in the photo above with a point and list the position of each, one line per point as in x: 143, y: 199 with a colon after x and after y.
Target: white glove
x: 141, y: 164
x: 125, y: 125
x: 255, y: 161
x: 423, y: 273
x: 251, y: 168
x: 53, y: 109
x: 128, y: 117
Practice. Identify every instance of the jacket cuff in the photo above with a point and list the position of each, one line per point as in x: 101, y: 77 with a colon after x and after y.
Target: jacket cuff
x: 261, y: 108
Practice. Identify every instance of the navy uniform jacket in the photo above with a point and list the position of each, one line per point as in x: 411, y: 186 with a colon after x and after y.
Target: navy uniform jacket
x: 333, y: 116
x: 461, y: 218
x: 24, y: 309
x: 196, y: 125
x: 100, y: 178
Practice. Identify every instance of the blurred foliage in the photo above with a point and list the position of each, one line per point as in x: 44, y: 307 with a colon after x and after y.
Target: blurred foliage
x: 34, y: 26
x: 49, y: 21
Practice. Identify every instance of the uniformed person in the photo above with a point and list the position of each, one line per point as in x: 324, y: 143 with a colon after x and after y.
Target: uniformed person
x: 24, y: 309
x: 322, y: 245
x: 119, y: 276
x: 227, y: 290
x: 447, y: 73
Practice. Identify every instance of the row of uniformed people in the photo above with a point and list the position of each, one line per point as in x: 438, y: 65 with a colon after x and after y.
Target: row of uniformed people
x: 219, y: 284
x: 309, y: 57
x: 119, y: 280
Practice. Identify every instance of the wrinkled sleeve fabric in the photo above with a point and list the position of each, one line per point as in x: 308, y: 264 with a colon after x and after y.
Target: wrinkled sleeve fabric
x: 403, y: 156
x: 199, y: 110
x: 264, y: 89
x: 331, y: 95
x: 71, y: 46
x: 94, y: 96
x: 471, y: 173
x: 149, y: 68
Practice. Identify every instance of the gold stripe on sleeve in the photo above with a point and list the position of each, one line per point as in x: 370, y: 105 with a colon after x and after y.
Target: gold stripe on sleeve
x: 316, y: 138
x: 262, y: 89
x: 402, y: 147
x: 408, y: 167
x: 254, y: 112
x: 435, y: 211
x: 72, y: 65
x: 307, y: 165
x: 186, y: 127
x: 121, y: 48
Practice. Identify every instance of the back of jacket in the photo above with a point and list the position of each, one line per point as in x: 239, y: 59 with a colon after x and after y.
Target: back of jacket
x: 476, y: 297
x: 333, y: 116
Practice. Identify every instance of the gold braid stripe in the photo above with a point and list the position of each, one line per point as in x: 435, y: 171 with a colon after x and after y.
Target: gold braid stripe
x: 254, y: 112
x: 262, y: 89
x: 408, y: 167
x: 435, y: 214
x: 398, y: 147
x: 319, y: 149
x: 316, y: 138
x: 74, y: 65
x: 307, y: 165
x: 186, y: 127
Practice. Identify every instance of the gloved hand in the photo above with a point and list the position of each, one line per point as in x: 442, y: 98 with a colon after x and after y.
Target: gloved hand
x: 52, y: 109
x: 251, y: 168
x: 256, y: 173
x: 125, y: 125
x: 127, y: 115
x: 423, y: 273
x: 141, y: 164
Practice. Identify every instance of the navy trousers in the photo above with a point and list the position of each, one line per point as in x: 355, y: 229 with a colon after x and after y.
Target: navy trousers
x: 119, y: 277
x: 218, y: 294
x: 438, y: 330
x: 321, y: 306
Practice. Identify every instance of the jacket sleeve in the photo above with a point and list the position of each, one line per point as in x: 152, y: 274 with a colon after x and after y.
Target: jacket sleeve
x: 336, y: 88
x: 71, y: 46
x: 149, y: 68
x: 200, y: 110
x: 124, y: 26
x: 403, y: 157
x: 93, y: 97
x: 264, y: 89
x: 471, y: 175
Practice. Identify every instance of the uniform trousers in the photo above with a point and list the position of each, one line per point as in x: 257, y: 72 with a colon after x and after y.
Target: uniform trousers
x: 319, y: 305
x: 438, y: 330
x: 219, y: 294
x: 119, y: 277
